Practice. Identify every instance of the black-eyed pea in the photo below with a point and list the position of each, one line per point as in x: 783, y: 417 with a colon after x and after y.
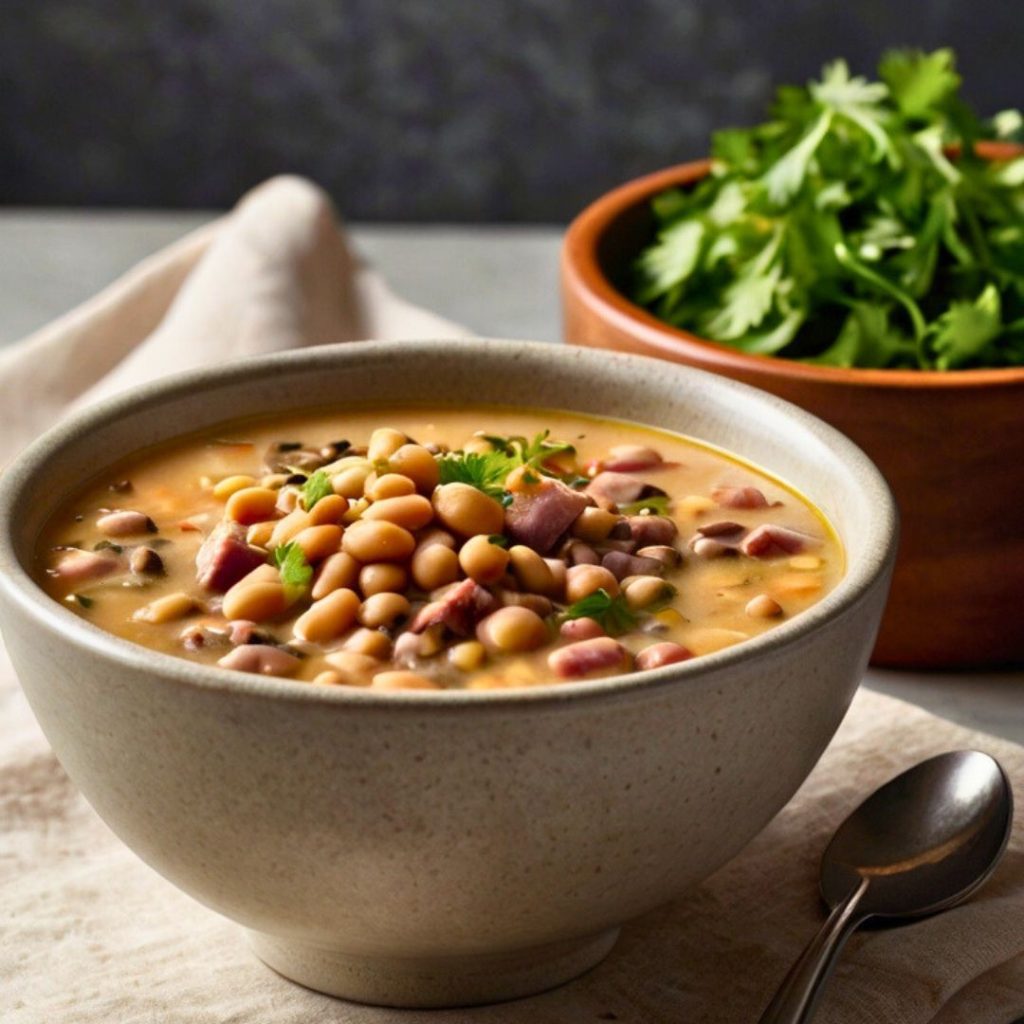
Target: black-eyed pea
x: 251, y: 505
x: 763, y: 607
x: 318, y: 542
x: 512, y: 629
x: 593, y: 524
x: 259, y: 534
x: 483, y: 561
x: 416, y: 463
x: 336, y: 571
x: 370, y: 642
x: 328, y: 511
x: 643, y: 591
x: 353, y: 667
x: 145, y: 561
x: 467, y: 511
x: 559, y: 572
x: 530, y: 570
x: 328, y: 618
x: 125, y: 523
x: 261, y: 574
x: 382, y: 577
x: 261, y: 659
x: 708, y: 547
x: 384, y: 442
x: 286, y: 529
x: 383, y: 610
x: 350, y: 482
x: 390, y: 485
x: 223, y: 489
x: 274, y: 480
x: 669, y: 556
x: 328, y: 678
x: 410, y: 511
x: 583, y: 580
x: 538, y: 603
x: 402, y: 680
x: 169, y: 608
x: 434, y: 566
x: 467, y: 656
x: 256, y: 602
x: 378, y: 541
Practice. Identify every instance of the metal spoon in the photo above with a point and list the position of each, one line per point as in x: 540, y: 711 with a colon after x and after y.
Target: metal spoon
x: 922, y: 843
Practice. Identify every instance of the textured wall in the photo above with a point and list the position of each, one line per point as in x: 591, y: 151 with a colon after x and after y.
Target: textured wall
x: 424, y: 109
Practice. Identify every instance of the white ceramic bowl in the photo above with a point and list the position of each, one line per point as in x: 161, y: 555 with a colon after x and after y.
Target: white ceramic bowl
x: 433, y: 849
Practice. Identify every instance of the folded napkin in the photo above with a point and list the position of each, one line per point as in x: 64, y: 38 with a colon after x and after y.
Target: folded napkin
x: 90, y: 934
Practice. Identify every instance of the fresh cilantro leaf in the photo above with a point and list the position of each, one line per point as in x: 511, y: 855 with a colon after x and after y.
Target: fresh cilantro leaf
x: 523, y: 452
x: 499, y: 540
x: 656, y: 504
x: 317, y: 487
x: 486, y: 471
x: 672, y: 259
x: 964, y: 331
x: 613, y: 613
x: 291, y: 562
x: 919, y: 81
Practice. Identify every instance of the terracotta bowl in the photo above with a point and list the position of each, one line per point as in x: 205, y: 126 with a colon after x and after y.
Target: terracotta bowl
x: 427, y: 849
x: 948, y: 443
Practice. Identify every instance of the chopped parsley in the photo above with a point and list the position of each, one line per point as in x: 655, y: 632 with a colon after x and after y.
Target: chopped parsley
x: 499, y: 540
x: 316, y: 487
x: 613, y: 613
x: 529, y: 453
x: 656, y: 504
x: 291, y: 562
x: 843, y: 233
x: 486, y: 471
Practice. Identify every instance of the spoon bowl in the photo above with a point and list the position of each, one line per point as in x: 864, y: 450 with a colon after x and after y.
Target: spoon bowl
x: 923, y: 842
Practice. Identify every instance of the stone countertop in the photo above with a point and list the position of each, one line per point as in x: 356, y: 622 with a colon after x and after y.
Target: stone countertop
x: 498, y: 281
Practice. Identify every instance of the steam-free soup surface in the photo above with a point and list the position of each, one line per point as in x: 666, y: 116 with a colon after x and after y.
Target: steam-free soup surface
x: 426, y: 548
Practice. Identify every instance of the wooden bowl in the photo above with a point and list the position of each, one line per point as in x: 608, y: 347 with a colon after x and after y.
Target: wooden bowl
x: 951, y: 444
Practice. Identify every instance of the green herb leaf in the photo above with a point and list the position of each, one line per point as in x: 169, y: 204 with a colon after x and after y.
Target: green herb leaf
x: 83, y: 601
x: 963, y: 332
x: 528, y: 453
x: 295, y: 571
x: 656, y: 504
x: 317, y: 487
x: 613, y: 613
x: 486, y: 471
x: 919, y: 81
x: 499, y: 540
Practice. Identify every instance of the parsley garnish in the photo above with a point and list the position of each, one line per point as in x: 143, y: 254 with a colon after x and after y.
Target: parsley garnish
x: 486, y: 471
x: 528, y: 453
x: 316, y: 487
x: 613, y: 613
x: 657, y: 504
x: 842, y: 233
x: 291, y: 562
x: 499, y: 540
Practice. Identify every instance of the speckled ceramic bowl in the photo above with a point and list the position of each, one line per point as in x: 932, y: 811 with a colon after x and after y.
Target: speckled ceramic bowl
x: 425, y: 849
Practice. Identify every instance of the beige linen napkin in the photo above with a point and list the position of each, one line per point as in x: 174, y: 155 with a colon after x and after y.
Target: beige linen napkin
x: 90, y: 934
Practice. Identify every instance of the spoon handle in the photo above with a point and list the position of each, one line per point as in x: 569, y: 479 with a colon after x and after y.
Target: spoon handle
x: 797, y: 996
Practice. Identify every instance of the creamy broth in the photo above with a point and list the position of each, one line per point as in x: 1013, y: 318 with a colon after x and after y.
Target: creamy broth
x: 711, y: 552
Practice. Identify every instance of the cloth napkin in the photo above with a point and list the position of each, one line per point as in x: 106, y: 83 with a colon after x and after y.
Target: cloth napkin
x: 90, y: 934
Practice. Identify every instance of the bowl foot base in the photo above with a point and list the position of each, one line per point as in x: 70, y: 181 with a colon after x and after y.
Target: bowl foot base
x: 432, y: 981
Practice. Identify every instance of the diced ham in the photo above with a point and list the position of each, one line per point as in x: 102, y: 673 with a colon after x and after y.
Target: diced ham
x: 631, y: 458
x: 666, y: 653
x: 769, y: 540
x: 80, y: 566
x: 610, y: 489
x: 225, y: 557
x: 459, y: 609
x: 598, y: 654
x: 739, y: 497
x: 647, y: 530
x: 622, y: 565
x: 539, y: 516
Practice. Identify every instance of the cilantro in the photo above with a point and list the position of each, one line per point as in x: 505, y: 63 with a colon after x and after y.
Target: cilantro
x: 656, y: 504
x: 486, y: 471
x: 613, y: 613
x: 295, y: 571
x: 499, y: 540
x: 843, y: 232
x: 524, y: 452
x: 316, y: 487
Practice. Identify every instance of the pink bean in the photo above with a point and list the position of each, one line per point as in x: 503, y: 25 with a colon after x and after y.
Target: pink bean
x: 261, y: 659
x: 666, y: 653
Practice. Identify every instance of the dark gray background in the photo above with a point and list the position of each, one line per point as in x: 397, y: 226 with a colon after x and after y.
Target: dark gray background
x: 495, y: 110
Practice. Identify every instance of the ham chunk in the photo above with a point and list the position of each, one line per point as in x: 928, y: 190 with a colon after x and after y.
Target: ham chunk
x: 739, y: 497
x: 769, y: 540
x: 539, y: 516
x: 225, y: 557
x: 632, y: 458
x: 459, y: 610
x: 586, y: 657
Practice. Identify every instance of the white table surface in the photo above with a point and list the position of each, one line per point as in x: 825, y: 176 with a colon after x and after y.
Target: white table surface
x: 499, y: 281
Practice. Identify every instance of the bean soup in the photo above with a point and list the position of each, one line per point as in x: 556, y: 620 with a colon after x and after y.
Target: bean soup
x: 434, y: 548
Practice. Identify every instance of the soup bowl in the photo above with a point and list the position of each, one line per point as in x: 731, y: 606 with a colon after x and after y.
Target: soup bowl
x: 427, y: 849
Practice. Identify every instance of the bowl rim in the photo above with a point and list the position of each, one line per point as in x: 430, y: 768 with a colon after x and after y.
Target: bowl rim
x: 583, y: 274
x: 18, y: 587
